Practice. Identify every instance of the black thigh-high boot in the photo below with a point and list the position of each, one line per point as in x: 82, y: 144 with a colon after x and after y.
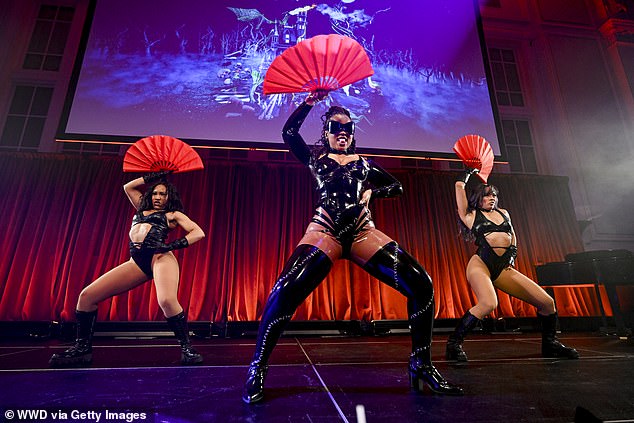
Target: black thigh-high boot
x: 402, y: 272
x: 454, y: 349
x: 551, y: 347
x: 303, y: 272
x: 80, y: 354
x: 178, y: 325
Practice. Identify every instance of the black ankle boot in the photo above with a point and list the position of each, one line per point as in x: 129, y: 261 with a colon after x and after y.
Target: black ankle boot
x: 254, y: 386
x: 454, y: 349
x: 178, y: 325
x: 80, y: 354
x: 422, y: 372
x: 551, y: 347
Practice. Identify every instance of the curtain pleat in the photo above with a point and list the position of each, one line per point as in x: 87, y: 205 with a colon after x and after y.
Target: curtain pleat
x: 66, y: 221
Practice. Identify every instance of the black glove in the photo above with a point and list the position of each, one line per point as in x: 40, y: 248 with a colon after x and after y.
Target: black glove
x: 513, y: 250
x: 156, y: 176
x: 467, y: 174
x: 175, y: 245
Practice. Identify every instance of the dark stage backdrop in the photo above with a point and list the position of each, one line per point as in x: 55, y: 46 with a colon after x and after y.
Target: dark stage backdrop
x: 66, y: 219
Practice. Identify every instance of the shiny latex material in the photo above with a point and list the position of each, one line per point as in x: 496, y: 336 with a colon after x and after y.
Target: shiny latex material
x: 175, y: 245
x: 395, y: 267
x: 142, y: 252
x: 142, y: 257
x: 454, y: 349
x: 423, y: 373
x: 254, y: 386
x: 483, y: 226
x: 80, y: 354
x: 303, y: 272
x: 339, y: 187
x: 402, y: 272
x: 494, y: 262
x: 551, y: 346
x: 178, y: 325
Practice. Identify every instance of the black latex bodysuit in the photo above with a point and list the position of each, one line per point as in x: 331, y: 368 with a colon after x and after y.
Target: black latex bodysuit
x: 142, y: 252
x: 480, y: 229
x: 339, y: 187
x: 345, y: 221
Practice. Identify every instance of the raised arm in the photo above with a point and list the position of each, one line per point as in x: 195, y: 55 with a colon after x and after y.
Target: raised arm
x: 291, y: 136
x: 461, y: 199
x: 290, y: 132
x: 133, y: 192
x: 132, y: 188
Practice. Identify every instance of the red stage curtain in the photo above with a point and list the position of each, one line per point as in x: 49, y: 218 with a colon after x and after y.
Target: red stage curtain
x: 66, y: 220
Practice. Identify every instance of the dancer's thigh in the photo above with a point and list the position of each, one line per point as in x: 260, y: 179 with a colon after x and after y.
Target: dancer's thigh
x: 120, y: 279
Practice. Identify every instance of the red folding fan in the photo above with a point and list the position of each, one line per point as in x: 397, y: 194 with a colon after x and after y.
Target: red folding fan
x: 476, y: 153
x: 323, y: 62
x: 161, y: 152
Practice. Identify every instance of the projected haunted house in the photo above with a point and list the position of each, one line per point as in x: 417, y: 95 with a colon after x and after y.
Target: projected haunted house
x: 285, y: 36
x: 241, y: 75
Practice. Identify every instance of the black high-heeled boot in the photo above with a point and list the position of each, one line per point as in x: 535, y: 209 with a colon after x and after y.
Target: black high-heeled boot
x: 422, y: 372
x: 551, y: 347
x: 401, y: 271
x: 302, y: 273
x: 454, y: 349
x: 178, y: 325
x: 80, y: 354
x: 254, y: 386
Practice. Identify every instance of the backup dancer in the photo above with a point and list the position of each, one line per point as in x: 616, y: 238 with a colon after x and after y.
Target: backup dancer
x: 482, y: 221
x: 159, y: 210
x: 342, y: 228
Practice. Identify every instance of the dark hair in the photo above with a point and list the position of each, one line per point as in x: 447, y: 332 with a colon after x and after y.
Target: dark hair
x: 321, y: 146
x: 174, y: 202
x: 475, y: 200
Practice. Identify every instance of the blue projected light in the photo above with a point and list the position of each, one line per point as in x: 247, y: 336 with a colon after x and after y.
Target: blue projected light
x: 194, y: 69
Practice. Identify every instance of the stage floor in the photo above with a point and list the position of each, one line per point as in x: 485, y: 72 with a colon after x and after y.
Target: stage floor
x: 320, y: 379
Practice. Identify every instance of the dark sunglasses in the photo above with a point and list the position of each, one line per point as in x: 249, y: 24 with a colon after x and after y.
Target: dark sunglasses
x: 335, y: 127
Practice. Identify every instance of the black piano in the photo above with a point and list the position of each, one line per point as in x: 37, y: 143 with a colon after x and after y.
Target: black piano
x: 609, y: 268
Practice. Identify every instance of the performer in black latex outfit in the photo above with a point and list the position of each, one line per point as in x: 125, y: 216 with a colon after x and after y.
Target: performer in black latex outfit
x: 492, y: 267
x: 159, y: 210
x: 342, y: 228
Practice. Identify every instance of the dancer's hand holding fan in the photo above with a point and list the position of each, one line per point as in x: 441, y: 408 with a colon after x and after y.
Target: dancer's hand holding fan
x: 321, y: 63
x: 160, y: 155
x: 476, y: 154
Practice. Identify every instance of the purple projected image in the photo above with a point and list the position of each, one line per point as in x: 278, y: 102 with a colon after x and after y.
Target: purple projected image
x: 194, y: 69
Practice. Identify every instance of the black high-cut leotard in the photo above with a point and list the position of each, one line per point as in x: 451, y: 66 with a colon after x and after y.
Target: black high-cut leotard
x: 339, y: 187
x: 142, y: 252
x: 494, y: 262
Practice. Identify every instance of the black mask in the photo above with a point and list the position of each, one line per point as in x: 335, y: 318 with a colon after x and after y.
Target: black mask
x: 335, y: 127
